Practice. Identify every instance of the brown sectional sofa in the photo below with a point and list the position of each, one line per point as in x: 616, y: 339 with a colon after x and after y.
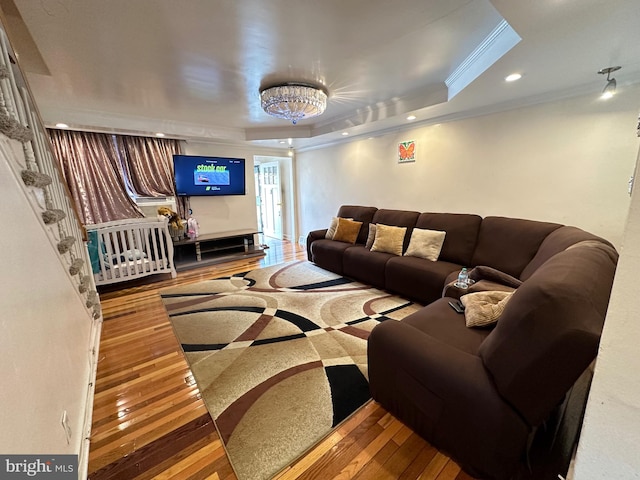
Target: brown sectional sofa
x: 479, y: 394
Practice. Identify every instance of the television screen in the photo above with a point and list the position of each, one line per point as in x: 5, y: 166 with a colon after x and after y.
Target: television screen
x: 202, y: 176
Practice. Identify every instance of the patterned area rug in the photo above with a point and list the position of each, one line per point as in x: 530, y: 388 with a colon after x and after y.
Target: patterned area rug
x: 279, y: 355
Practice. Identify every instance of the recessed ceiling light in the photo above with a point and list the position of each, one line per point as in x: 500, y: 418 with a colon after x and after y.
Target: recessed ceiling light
x: 62, y: 125
x: 159, y: 134
x: 513, y: 77
x: 283, y: 142
x: 344, y: 134
x: 411, y: 117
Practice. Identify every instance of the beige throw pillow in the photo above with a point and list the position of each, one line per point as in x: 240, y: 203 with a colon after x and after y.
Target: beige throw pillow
x: 332, y: 228
x: 347, y: 230
x: 372, y: 235
x: 425, y: 244
x: 388, y: 239
x: 484, y: 308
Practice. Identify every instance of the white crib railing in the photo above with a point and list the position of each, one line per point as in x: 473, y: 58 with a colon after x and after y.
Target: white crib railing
x: 124, y: 250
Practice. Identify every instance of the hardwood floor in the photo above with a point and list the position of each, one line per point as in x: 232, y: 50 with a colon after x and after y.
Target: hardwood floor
x: 149, y: 420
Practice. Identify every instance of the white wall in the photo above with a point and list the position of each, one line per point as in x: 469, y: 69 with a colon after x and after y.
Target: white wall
x: 566, y: 162
x: 221, y: 214
x: 44, y: 332
x: 610, y: 440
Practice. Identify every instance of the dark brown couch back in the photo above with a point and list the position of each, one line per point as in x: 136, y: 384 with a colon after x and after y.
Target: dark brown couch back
x: 556, y: 242
x: 462, y: 233
x: 397, y: 218
x: 550, y: 329
x: 509, y: 244
x: 359, y: 214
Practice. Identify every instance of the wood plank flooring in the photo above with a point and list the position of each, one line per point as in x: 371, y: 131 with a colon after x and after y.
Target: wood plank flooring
x: 150, y: 423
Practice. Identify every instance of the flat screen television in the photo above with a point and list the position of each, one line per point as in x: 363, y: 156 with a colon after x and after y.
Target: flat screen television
x: 208, y: 176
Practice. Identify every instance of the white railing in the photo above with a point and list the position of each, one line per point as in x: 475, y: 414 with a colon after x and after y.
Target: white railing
x: 38, y: 167
x: 47, y: 193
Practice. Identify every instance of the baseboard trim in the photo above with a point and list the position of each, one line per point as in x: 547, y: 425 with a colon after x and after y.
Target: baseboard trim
x: 94, y: 352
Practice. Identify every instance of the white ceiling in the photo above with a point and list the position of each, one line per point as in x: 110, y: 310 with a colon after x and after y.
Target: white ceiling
x: 193, y: 69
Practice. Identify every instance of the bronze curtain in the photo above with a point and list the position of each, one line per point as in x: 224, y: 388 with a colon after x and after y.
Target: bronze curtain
x: 149, y: 167
x: 92, y: 170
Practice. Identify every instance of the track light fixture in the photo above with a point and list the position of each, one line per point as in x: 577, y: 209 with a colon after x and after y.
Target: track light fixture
x: 610, y: 87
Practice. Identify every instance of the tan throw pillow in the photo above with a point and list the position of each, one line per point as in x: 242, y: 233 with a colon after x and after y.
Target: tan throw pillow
x: 331, y: 231
x: 372, y: 235
x: 484, y: 308
x: 425, y: 244
x: 347, y: 230
x: 388, y: 239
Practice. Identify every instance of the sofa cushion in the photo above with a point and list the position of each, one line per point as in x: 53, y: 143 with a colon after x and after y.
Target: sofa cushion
x: 462, y: 232
x: 329, y: 254
x: 484, y: 308
x: 359, y: 214
x: 416, y: 278
x: 440, y: 321
x: 365, y: 266
x: 425, y: 244
x: 347, y: 230
x: 550, y: 329
x: 389, y: 239
x: 397, y: 218
x: 509, y: 244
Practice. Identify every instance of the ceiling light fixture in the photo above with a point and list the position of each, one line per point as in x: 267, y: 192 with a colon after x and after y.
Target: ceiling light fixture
x: 160, y: 134
x: 513, y: 77
x: 610, y: 88
x: 344, y: 134
x: 294, y: 101
x: 62, y: 125
x: 411, y: 117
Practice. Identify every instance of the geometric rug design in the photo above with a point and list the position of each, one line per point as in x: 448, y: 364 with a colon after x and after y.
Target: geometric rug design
x: 279, y: 355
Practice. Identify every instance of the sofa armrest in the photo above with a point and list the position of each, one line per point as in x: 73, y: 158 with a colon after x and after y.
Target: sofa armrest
x: 312, y: 237
x: 447, y: 397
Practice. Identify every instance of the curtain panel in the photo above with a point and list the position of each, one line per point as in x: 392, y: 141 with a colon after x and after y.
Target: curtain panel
x: 92, y: 170
x: 148, y: 164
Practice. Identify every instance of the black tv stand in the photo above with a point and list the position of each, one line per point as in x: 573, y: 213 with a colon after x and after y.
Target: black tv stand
x: 213, y: 248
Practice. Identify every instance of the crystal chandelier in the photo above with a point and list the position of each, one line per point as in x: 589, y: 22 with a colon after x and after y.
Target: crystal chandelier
x: 294, y: 101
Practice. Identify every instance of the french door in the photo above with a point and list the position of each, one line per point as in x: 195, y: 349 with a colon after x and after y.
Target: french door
x: 270, y: 193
